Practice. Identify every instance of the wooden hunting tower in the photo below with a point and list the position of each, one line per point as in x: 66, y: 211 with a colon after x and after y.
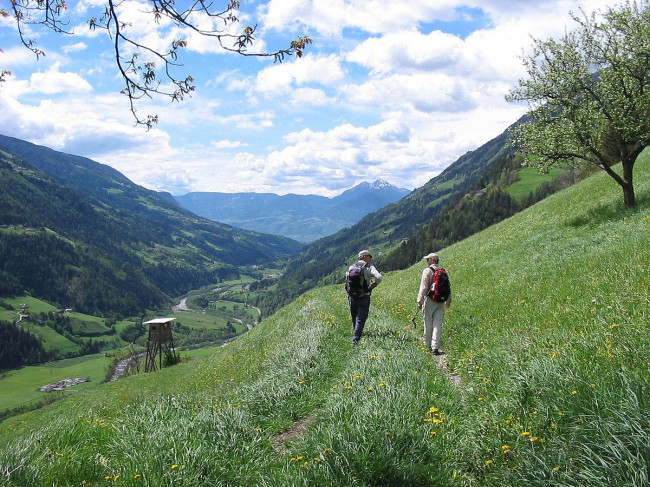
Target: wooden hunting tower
x: 159, y: 342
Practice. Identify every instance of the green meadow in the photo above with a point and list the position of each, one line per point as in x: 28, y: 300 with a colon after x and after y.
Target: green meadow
x: 544, y: 381
x: 21, y: 387
x: 530, y: 179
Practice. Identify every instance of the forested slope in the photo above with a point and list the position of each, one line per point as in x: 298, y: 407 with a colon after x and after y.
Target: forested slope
x: 80, y: 234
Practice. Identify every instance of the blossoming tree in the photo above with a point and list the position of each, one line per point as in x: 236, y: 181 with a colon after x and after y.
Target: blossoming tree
x: 588, y: 94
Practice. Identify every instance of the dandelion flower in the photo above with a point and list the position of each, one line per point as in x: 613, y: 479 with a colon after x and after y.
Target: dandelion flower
x: 174, y: 467
x: 525, y: 433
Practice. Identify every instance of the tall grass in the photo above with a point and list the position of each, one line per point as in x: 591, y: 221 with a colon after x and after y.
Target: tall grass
x: 545, y: 380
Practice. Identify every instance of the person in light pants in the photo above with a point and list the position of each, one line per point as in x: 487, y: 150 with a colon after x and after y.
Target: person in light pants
x: 432, y: 311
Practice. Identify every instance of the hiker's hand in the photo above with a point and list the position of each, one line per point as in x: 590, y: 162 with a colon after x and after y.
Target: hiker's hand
x: 373, y: 286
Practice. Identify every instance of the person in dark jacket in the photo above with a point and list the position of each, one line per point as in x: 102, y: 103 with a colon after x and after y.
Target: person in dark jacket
x: 360, y: 305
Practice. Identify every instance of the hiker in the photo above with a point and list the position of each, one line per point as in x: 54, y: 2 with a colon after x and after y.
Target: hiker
x: 433, y: 301
x: 360, y: 280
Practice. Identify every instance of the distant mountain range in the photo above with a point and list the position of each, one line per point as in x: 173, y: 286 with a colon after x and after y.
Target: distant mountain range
x: 301, y: 217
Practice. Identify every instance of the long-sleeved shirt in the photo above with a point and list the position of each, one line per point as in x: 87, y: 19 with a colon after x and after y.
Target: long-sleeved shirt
x: 370, y: 273
x: 425, y: 284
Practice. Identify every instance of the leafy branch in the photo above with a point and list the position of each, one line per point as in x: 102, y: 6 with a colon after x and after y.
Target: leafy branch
x: 148, y: 71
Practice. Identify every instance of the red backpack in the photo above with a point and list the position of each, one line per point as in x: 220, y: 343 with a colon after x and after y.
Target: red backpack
x: 440, y: 288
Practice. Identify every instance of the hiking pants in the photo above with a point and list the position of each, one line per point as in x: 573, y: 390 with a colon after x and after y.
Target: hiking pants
x: 433, y: 313
x: 359, y: 309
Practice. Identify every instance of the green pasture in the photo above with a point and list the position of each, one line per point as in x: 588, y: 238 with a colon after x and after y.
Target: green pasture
x: 52, y: 341
x: 199, y: 321
x: 20, y: 387
x: 529, y: 180
x: 87, y: 327
x: 244, y: 279
x: 34, y: 306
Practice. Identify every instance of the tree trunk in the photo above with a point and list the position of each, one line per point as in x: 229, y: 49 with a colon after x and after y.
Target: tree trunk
x: 627, y: 185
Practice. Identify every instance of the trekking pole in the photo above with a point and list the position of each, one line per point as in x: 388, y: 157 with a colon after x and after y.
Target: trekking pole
x: 414, y: 317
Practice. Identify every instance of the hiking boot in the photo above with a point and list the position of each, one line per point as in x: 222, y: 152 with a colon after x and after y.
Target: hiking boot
x: 435, y: 351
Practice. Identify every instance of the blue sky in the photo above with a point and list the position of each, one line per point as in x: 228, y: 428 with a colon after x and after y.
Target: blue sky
x: 390, y: 89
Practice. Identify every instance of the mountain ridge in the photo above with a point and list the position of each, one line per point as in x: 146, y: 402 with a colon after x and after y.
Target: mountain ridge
x: 301, y: 217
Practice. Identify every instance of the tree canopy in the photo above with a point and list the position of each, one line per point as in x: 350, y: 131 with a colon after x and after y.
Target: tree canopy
x: 588, y: 93
x: 146, y: 68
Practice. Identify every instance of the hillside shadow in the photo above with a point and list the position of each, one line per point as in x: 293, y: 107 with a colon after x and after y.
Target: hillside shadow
x: 608, y: 212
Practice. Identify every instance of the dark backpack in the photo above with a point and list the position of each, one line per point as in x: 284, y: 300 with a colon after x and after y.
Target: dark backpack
x: 440, y: 286
x: 355, y: 281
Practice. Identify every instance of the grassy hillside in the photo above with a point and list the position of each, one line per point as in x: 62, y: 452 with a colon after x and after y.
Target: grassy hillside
x: 545, y: 381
